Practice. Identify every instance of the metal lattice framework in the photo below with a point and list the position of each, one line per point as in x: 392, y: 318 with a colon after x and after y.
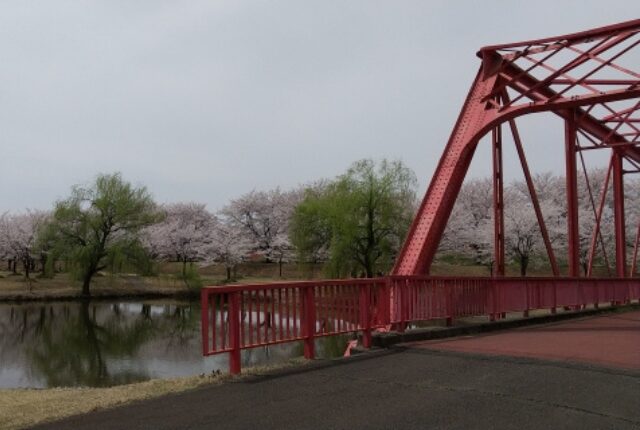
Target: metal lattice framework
x: 589, y: 79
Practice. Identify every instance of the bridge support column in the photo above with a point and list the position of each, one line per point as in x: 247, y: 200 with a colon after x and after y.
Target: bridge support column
x: 618, y: 212
x: 498, y: 207
x: 634, y: 262
x: 573, y: 238
x: 498, y: 202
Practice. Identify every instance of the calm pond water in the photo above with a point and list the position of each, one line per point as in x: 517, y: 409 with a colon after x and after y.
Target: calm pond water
x: 109, y: 343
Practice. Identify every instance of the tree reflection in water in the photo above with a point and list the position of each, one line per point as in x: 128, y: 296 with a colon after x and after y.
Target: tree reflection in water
x: 75, y: 349
x: 105, y: 343
x: 85, y: 344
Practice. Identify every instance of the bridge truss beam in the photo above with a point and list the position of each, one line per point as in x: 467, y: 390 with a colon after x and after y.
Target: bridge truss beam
x: 584, y: 78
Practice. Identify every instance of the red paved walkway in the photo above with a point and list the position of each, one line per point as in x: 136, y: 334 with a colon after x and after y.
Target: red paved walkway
x: 610, y: 340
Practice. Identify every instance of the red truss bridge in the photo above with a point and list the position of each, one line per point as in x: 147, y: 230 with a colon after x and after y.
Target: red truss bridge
x: 591, y: 80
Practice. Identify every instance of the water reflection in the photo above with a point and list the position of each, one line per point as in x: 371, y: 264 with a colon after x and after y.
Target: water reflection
x: 103, y: 344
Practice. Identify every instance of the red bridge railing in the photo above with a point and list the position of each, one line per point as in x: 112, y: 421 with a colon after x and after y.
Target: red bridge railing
x: 423, y: 298
x: 248, y: 316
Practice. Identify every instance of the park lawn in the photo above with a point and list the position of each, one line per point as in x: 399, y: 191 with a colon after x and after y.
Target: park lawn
x: 20, y: 408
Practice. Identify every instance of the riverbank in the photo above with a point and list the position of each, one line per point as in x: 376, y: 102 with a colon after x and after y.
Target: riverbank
x: 21, y: 408
x: 62, y: 287
x: 14, y: 288
x: 165, y: 284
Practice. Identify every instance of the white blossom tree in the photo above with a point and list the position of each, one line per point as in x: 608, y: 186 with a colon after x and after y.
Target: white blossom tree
x: 469, y: 232
x: 230, y: 246
x: 18, y: 238
x: 264, y: 218
x: 185, y: 235
x: 523, y: 238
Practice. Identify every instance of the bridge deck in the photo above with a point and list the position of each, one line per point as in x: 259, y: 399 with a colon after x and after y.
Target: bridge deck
x: 610, y: 340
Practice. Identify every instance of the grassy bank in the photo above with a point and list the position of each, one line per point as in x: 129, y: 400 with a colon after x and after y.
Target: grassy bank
x: 21, y: 408
x: 167, y: 283
x: 13, y: 287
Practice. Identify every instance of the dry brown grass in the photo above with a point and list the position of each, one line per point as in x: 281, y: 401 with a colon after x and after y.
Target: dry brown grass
x: 20, y: 408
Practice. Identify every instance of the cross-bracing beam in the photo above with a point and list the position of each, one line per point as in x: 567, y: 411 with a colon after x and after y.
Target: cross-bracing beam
x: 540, y: 81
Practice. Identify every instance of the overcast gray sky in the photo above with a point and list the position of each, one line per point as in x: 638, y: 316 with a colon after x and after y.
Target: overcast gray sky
x: 206, y: 100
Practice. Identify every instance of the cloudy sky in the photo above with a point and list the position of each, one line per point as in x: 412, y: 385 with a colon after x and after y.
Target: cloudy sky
x: 206, y: 100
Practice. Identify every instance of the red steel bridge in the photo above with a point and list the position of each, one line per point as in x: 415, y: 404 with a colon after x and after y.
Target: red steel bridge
x: 591, y: 80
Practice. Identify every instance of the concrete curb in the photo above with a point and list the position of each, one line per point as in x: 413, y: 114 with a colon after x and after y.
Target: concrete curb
x: 387, y: 340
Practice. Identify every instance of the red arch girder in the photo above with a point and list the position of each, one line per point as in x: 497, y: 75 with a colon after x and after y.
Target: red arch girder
x: 557, y: 89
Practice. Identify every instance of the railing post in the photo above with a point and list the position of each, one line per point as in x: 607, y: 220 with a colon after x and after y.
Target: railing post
x: 581, y: 296
x: 204, y: 320
x: 525, y: 314
x: 494, y: 300
x: 400, y: 293
x: 449, y: 296
x: 386, y: 303
x: 309, y: 321
x: 555, y: 297
x: 234, y: 333
x: 365, y: 314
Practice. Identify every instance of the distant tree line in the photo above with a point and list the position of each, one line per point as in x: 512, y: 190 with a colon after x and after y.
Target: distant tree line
x: 469, y: 233
x: 354, y: 224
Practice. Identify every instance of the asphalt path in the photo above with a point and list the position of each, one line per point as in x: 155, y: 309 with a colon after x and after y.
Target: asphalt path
x: 410, y: 387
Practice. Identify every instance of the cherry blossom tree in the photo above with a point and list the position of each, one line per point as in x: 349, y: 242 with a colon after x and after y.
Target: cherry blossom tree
x: 264, y: 218
x: 469, y: 232
x: 230, y: 246
x: 523, y: 238
x: 18, y: 238
x: 185, y: 235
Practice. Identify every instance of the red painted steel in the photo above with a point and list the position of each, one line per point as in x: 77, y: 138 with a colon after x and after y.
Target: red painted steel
x: 248, y: 316
x: 571, y: 85
x: 596, y: 227
x: 534, y: 197
x: 513, y: 80
x: 498, y: 202
x: 571, y: 175
x: 618, y: 212
x: 634, y: 261
x: 597, y: 235
x: 426, y: 230
x: 424, y: 298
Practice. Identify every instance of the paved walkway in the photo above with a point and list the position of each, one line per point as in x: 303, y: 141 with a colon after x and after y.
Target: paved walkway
x: 416, y: 387
x: 610, y: 340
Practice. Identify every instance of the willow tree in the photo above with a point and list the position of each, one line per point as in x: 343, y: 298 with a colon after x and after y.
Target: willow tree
x: 360, y: 218
x: 100, y: 223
